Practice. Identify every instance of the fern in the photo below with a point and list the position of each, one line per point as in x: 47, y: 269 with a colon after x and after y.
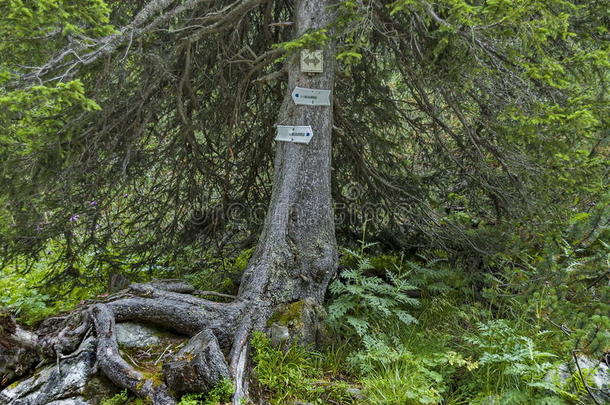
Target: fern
x: 366, y: 305
x: 513, y: 366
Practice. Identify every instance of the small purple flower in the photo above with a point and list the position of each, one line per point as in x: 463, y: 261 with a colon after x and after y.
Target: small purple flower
x: 74, y: 218
x: 125, y: 195
x: 93, y: 203
x: 38, y: 227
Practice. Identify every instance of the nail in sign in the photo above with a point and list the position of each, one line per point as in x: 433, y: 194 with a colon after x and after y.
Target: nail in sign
x: 294, y: 133
x: 303, y: 96
x: 312, y: 61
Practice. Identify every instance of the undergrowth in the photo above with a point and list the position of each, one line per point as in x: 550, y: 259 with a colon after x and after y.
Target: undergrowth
x: 426, y: 329
x: 293, y: 374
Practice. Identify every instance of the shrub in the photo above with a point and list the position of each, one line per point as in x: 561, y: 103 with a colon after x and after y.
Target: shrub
x: 511, y: 368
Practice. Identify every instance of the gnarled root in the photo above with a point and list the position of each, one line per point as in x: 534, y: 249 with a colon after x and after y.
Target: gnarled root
x: 216, y: 328
x: 118, y: 370
x: 253, y: 318
x: 167, y: 305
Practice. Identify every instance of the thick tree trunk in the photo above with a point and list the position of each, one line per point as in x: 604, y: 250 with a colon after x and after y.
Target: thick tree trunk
x: 297, y: 253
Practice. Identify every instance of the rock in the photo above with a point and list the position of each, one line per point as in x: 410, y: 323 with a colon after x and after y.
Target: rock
x: 304, y: 320
x: 279, y: 334
x: 355, y: 393
x: 597, y: 374
x: 51, y: 385
x: 14, y: 363
x: 98, y: 389
x: 198, y: 366
x: 17, y: 349
x: 136, y: 336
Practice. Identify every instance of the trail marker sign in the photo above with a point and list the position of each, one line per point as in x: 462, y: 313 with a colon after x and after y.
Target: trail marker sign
x: 304, y: 96
x: 312, y: 61
x: 294, y: 133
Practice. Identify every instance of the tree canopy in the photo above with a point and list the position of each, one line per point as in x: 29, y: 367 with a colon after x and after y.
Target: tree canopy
x: 158, y: 117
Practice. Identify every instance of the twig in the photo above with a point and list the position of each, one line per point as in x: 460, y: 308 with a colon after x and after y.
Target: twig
x: 584, y: 383
x: 168, y: 346
x: 135, y: 363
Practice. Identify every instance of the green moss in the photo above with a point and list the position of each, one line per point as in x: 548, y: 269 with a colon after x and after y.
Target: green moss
x: 155, y: 376
x: 98, y: 388
x: 288, y: 315
x: 140, y: 385
x: 13, y: 385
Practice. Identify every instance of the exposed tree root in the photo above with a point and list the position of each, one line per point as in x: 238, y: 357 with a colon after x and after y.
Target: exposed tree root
x: 240, y: 350
x: 224, y: 326
x: 118, y: 370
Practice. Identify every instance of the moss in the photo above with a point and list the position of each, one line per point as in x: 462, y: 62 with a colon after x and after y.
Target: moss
x: 98, y: 388
x: 155, y: 376
x: 140, y: 384
x: 187, y: 357
x: 288, y: 315
x: 14, y: 385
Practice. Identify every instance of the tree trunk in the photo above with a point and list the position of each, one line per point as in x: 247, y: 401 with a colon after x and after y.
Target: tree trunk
x: 297, y: 252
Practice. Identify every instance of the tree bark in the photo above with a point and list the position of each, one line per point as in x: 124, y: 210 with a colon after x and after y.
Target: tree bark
x: 296, y: 255
x: 298, y: 239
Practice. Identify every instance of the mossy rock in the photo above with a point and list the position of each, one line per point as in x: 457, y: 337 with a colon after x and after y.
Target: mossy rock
x: 288, y: 315
x: 132, y: 335
x: 98, y: 389
x: 304, y: 320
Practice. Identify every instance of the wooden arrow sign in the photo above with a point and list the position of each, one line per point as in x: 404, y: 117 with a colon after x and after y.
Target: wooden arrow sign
x: 294, y: 133
x: 303, y: 96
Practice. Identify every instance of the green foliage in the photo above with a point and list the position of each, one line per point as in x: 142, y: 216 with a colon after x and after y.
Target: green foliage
x: 460, y: 351
x: 220, y: 274
x: 366, y: 305
x: 218, y: 395
x: 513, y: 367
x: 393, y: 375
x: 310, y: 40
x: 33, y: 122
x: 38, y: 26
x: 30, y: 295
x: 221, y: 393
x: 119, y: 399
x: 562, y: 285
x: 33, y: 118
x: 291, y: 374
x: 493, y: 138
x: 286, y: 374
